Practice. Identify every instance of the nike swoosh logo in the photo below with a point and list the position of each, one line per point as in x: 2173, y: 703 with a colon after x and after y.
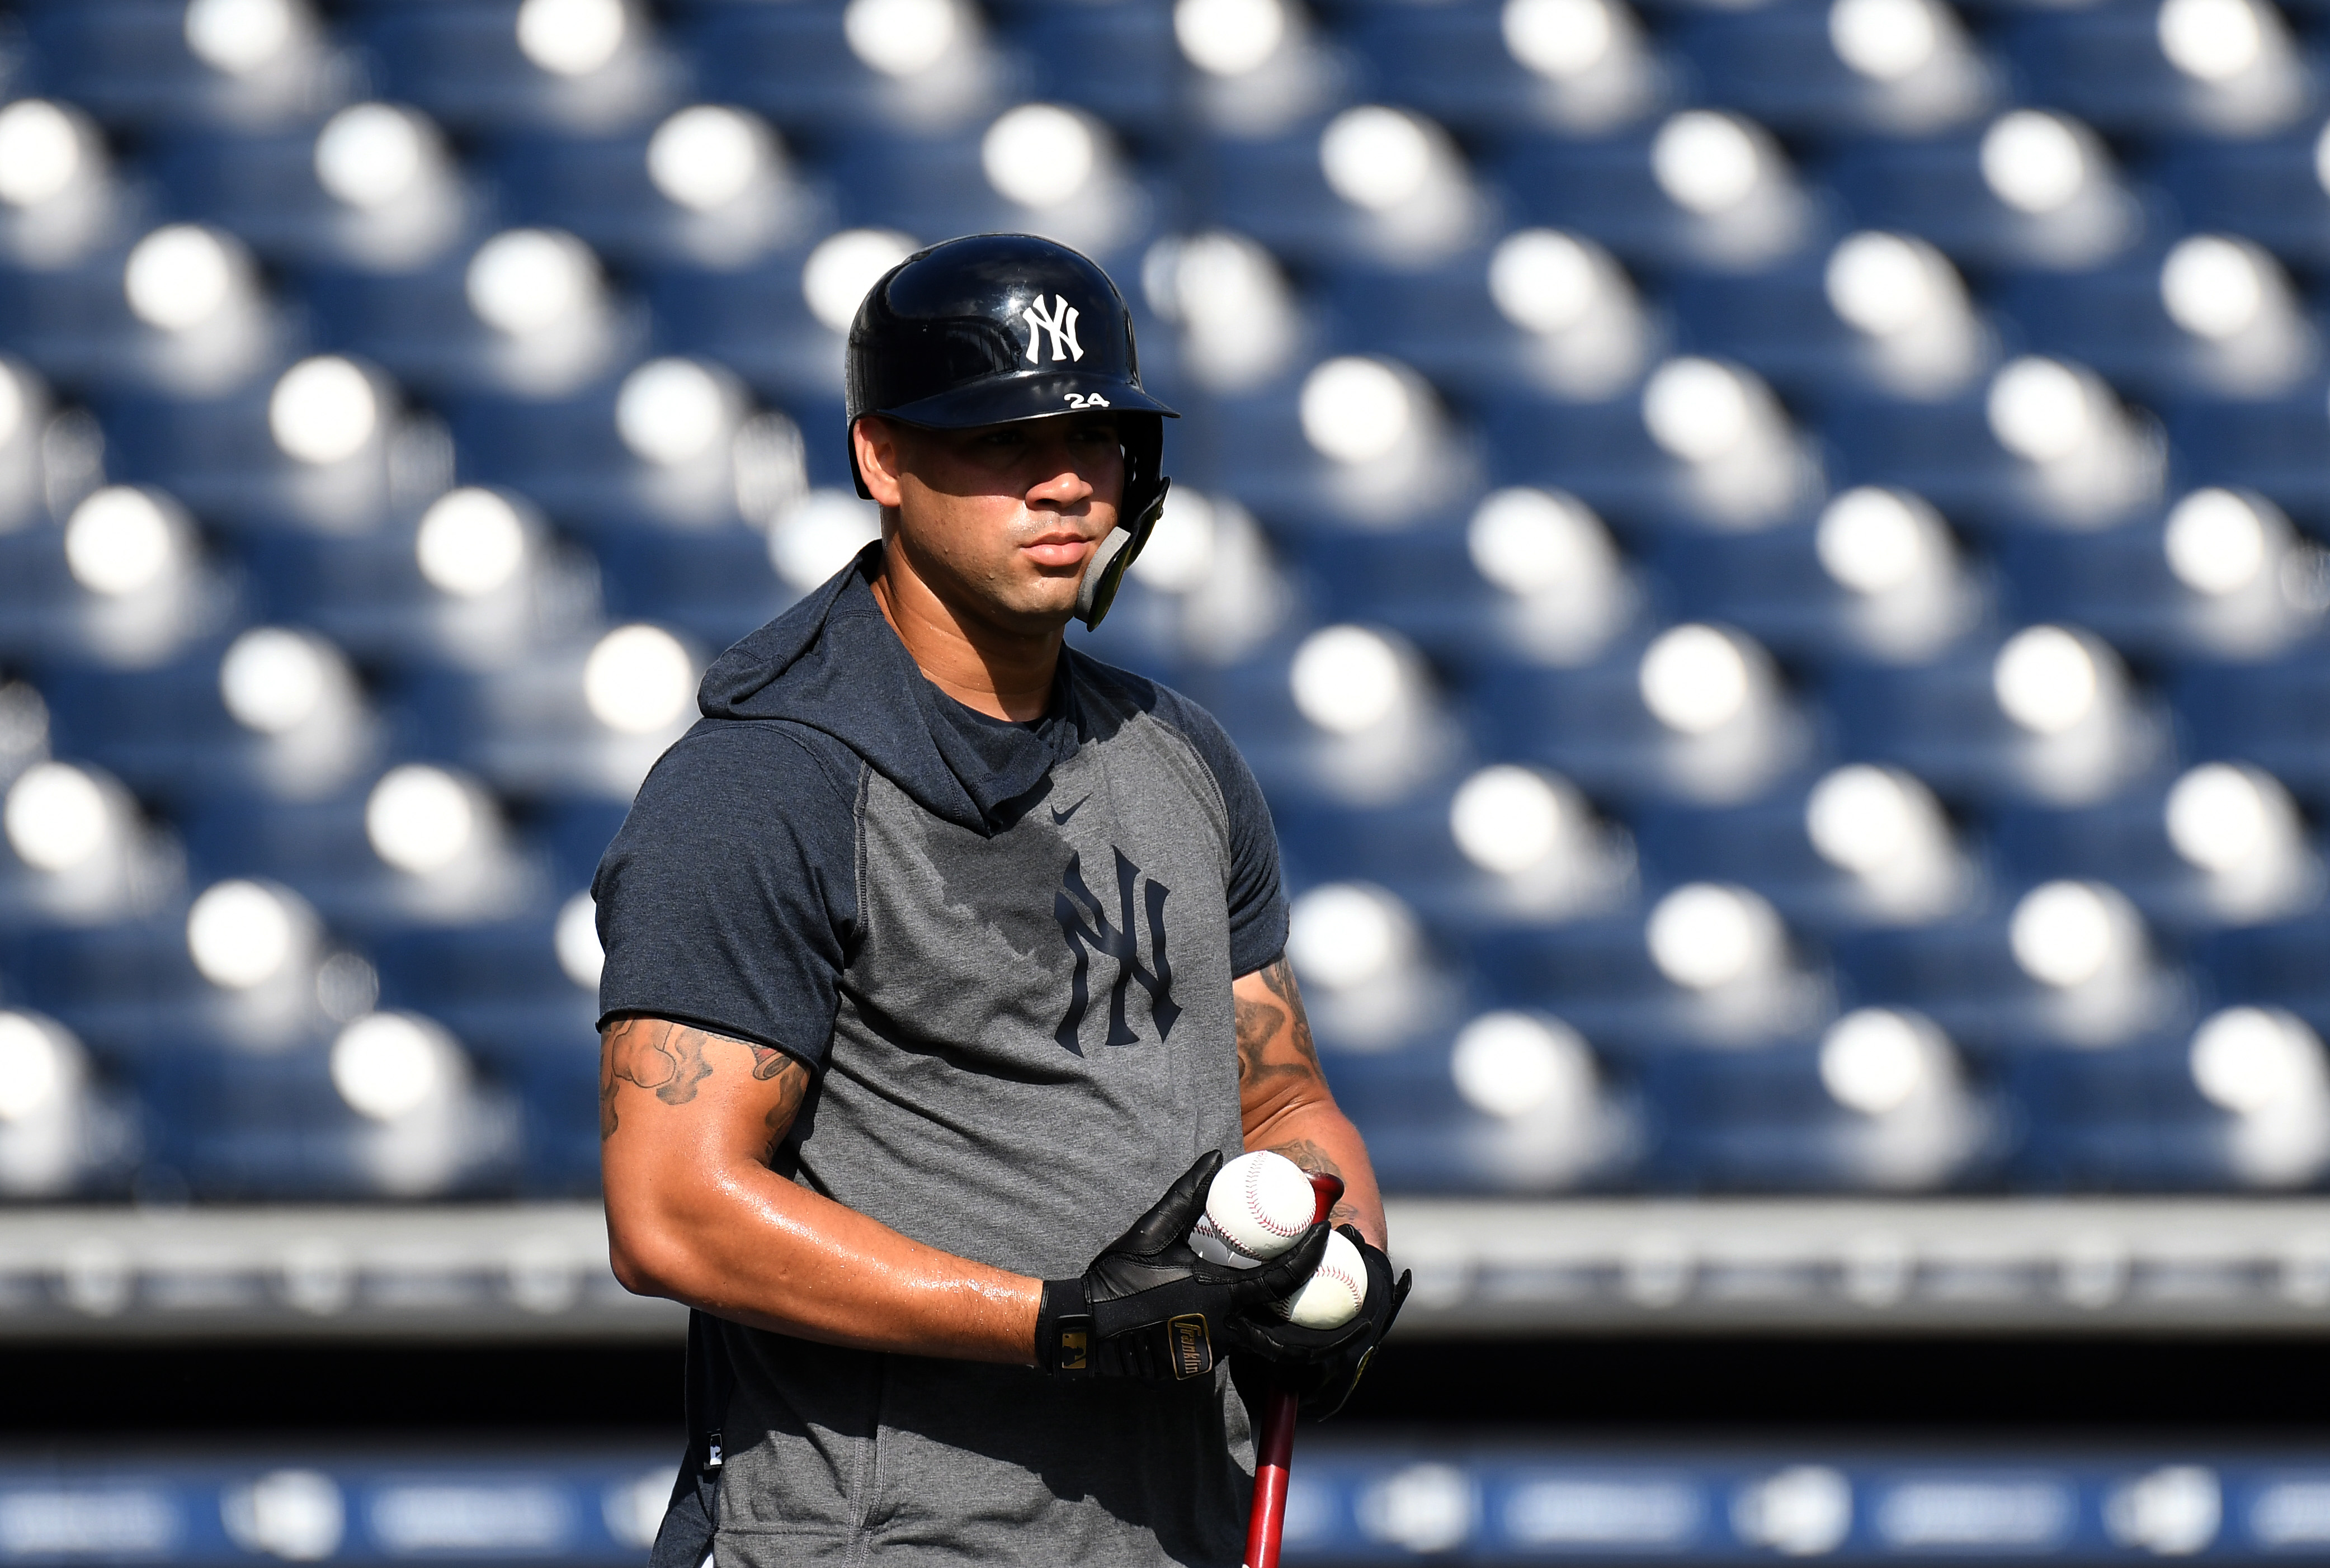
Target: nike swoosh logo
x: 1060, y: 817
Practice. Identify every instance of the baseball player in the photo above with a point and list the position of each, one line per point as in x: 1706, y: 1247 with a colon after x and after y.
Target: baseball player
x: 944, y: 965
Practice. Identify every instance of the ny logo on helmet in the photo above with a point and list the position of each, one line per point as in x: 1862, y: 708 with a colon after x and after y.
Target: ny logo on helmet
x: 1060, y: 321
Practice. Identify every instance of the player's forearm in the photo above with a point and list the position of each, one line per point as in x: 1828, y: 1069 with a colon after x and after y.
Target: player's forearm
x: 1318, y: 1136
x: 689, y: 1123
x: 1284, y: 1101
x: 749, y: 1246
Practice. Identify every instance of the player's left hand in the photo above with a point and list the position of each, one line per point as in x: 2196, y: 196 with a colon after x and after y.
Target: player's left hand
x: 1325, y: 1365
x: 1151, y: 1309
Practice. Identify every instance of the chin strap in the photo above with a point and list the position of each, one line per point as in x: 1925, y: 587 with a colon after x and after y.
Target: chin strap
x: 1144, y: 494
x: 1114, y: 555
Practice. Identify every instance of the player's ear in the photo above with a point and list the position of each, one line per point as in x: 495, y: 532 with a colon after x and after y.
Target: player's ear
x: 875, y: 440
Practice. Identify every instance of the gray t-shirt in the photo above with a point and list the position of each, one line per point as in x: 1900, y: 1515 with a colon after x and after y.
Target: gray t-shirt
x: 1006, y: 952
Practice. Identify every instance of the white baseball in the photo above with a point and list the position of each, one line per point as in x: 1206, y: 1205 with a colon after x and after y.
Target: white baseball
x: 1205, y: 1240
x: 1259, y: 1205
x: 1334, y: 1293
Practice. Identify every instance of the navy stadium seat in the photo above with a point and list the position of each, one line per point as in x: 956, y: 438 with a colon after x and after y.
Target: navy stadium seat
x: 940, y: 185
x: 500, y: 990
x: 1950, y: 452
x: 2114, y: 319
x: 320, y: 850
x: 1763, y: 1120
x: 1782, y: 323
x: 577, y: 834
x: 1773, y: 584
x: 1427, y: 474
x: 570, y: 455
x: 1781, y: 64
x: 715, y: 585
x: 463, y: 60
x: 262, y: 187
x: 1605, y: 453
x: 1965, y: 975
x: 170, y: 734
x: 1764, y: 844
x: 2108, y: 64
x: 1424, y: 1137
x: 224, y: 456
x: 425, y: 327
x: 1608, y: 189
x: 369, y: 593
x: 246, y: 1127
x: 1426, y: 585
x: 2127, y: 841
x: 1279, y: 190
x: 1455, y: 63
x: 796, y: 64
x: 2270, y: 190
x: 118, y: 986
x: 1120, y: 58
x: 2271, y: 445
x: 1598, y: 975
x: 2272, y: 964
x: 1594, y: 723
x: 755, y: 321
x: 1446, y: 322
x: 136, y: 63
x: 2121, y: 583
x: 48, y: 614
x: 599, y: 188
x: 74, y: 322
x: 2125, y: 1120
x: 1947, y: 723
x: 1298, y: 761
x: 1409, y: 848
x: 2269, y: 713
x: 530, y: 729
x: 1935, y: 188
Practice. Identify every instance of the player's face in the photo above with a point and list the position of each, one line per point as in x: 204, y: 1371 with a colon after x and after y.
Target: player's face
x: 1005, y: 515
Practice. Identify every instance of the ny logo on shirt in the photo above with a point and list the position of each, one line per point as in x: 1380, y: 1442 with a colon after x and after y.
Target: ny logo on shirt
x: 1084, y: 922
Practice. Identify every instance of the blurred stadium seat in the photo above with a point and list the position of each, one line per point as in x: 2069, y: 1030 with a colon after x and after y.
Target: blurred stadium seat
x: 1771, y: 561
x: 1354, y: 1498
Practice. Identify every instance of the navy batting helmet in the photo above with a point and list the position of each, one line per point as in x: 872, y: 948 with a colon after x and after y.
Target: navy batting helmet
x: 995, y: 328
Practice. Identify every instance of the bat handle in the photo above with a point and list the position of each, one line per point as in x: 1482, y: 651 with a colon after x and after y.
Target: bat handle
x: 1273, y: 1449
x: 1274, y: 1458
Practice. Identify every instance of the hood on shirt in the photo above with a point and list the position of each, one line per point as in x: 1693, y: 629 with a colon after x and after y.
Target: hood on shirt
x: 832, y: 663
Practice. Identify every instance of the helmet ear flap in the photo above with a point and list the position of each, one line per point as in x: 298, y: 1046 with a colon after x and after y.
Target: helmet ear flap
x: 1143, y: 504
x: 857, y: 475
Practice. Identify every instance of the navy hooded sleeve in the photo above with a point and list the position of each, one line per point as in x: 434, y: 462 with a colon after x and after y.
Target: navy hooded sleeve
x: 1257, y: 898
x: 728, y: 898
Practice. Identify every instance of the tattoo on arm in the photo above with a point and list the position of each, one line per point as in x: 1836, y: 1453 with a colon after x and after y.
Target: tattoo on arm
x: 1260, y: 1025
x: 1257, y: 1022
x: 1309, y: 1156
x: 664, y: 1058
x: 1312, y: 1157
x: 658, y: 1055
x: 792, y: 1088
x: 667, y: 1060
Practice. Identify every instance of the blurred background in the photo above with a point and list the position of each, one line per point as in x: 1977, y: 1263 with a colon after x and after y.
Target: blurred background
x: 1769, y: 557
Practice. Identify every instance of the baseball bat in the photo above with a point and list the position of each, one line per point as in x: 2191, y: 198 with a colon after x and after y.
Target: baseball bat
x: 1273, y: 1448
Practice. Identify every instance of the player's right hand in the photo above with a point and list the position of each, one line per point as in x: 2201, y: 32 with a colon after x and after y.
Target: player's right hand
x: 1325, y: 1365
x: 1150, y: 1307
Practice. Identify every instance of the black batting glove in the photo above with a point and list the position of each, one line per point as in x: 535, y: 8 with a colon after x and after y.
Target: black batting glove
x: 1149, y: 1307
x: 1324, y: 1365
